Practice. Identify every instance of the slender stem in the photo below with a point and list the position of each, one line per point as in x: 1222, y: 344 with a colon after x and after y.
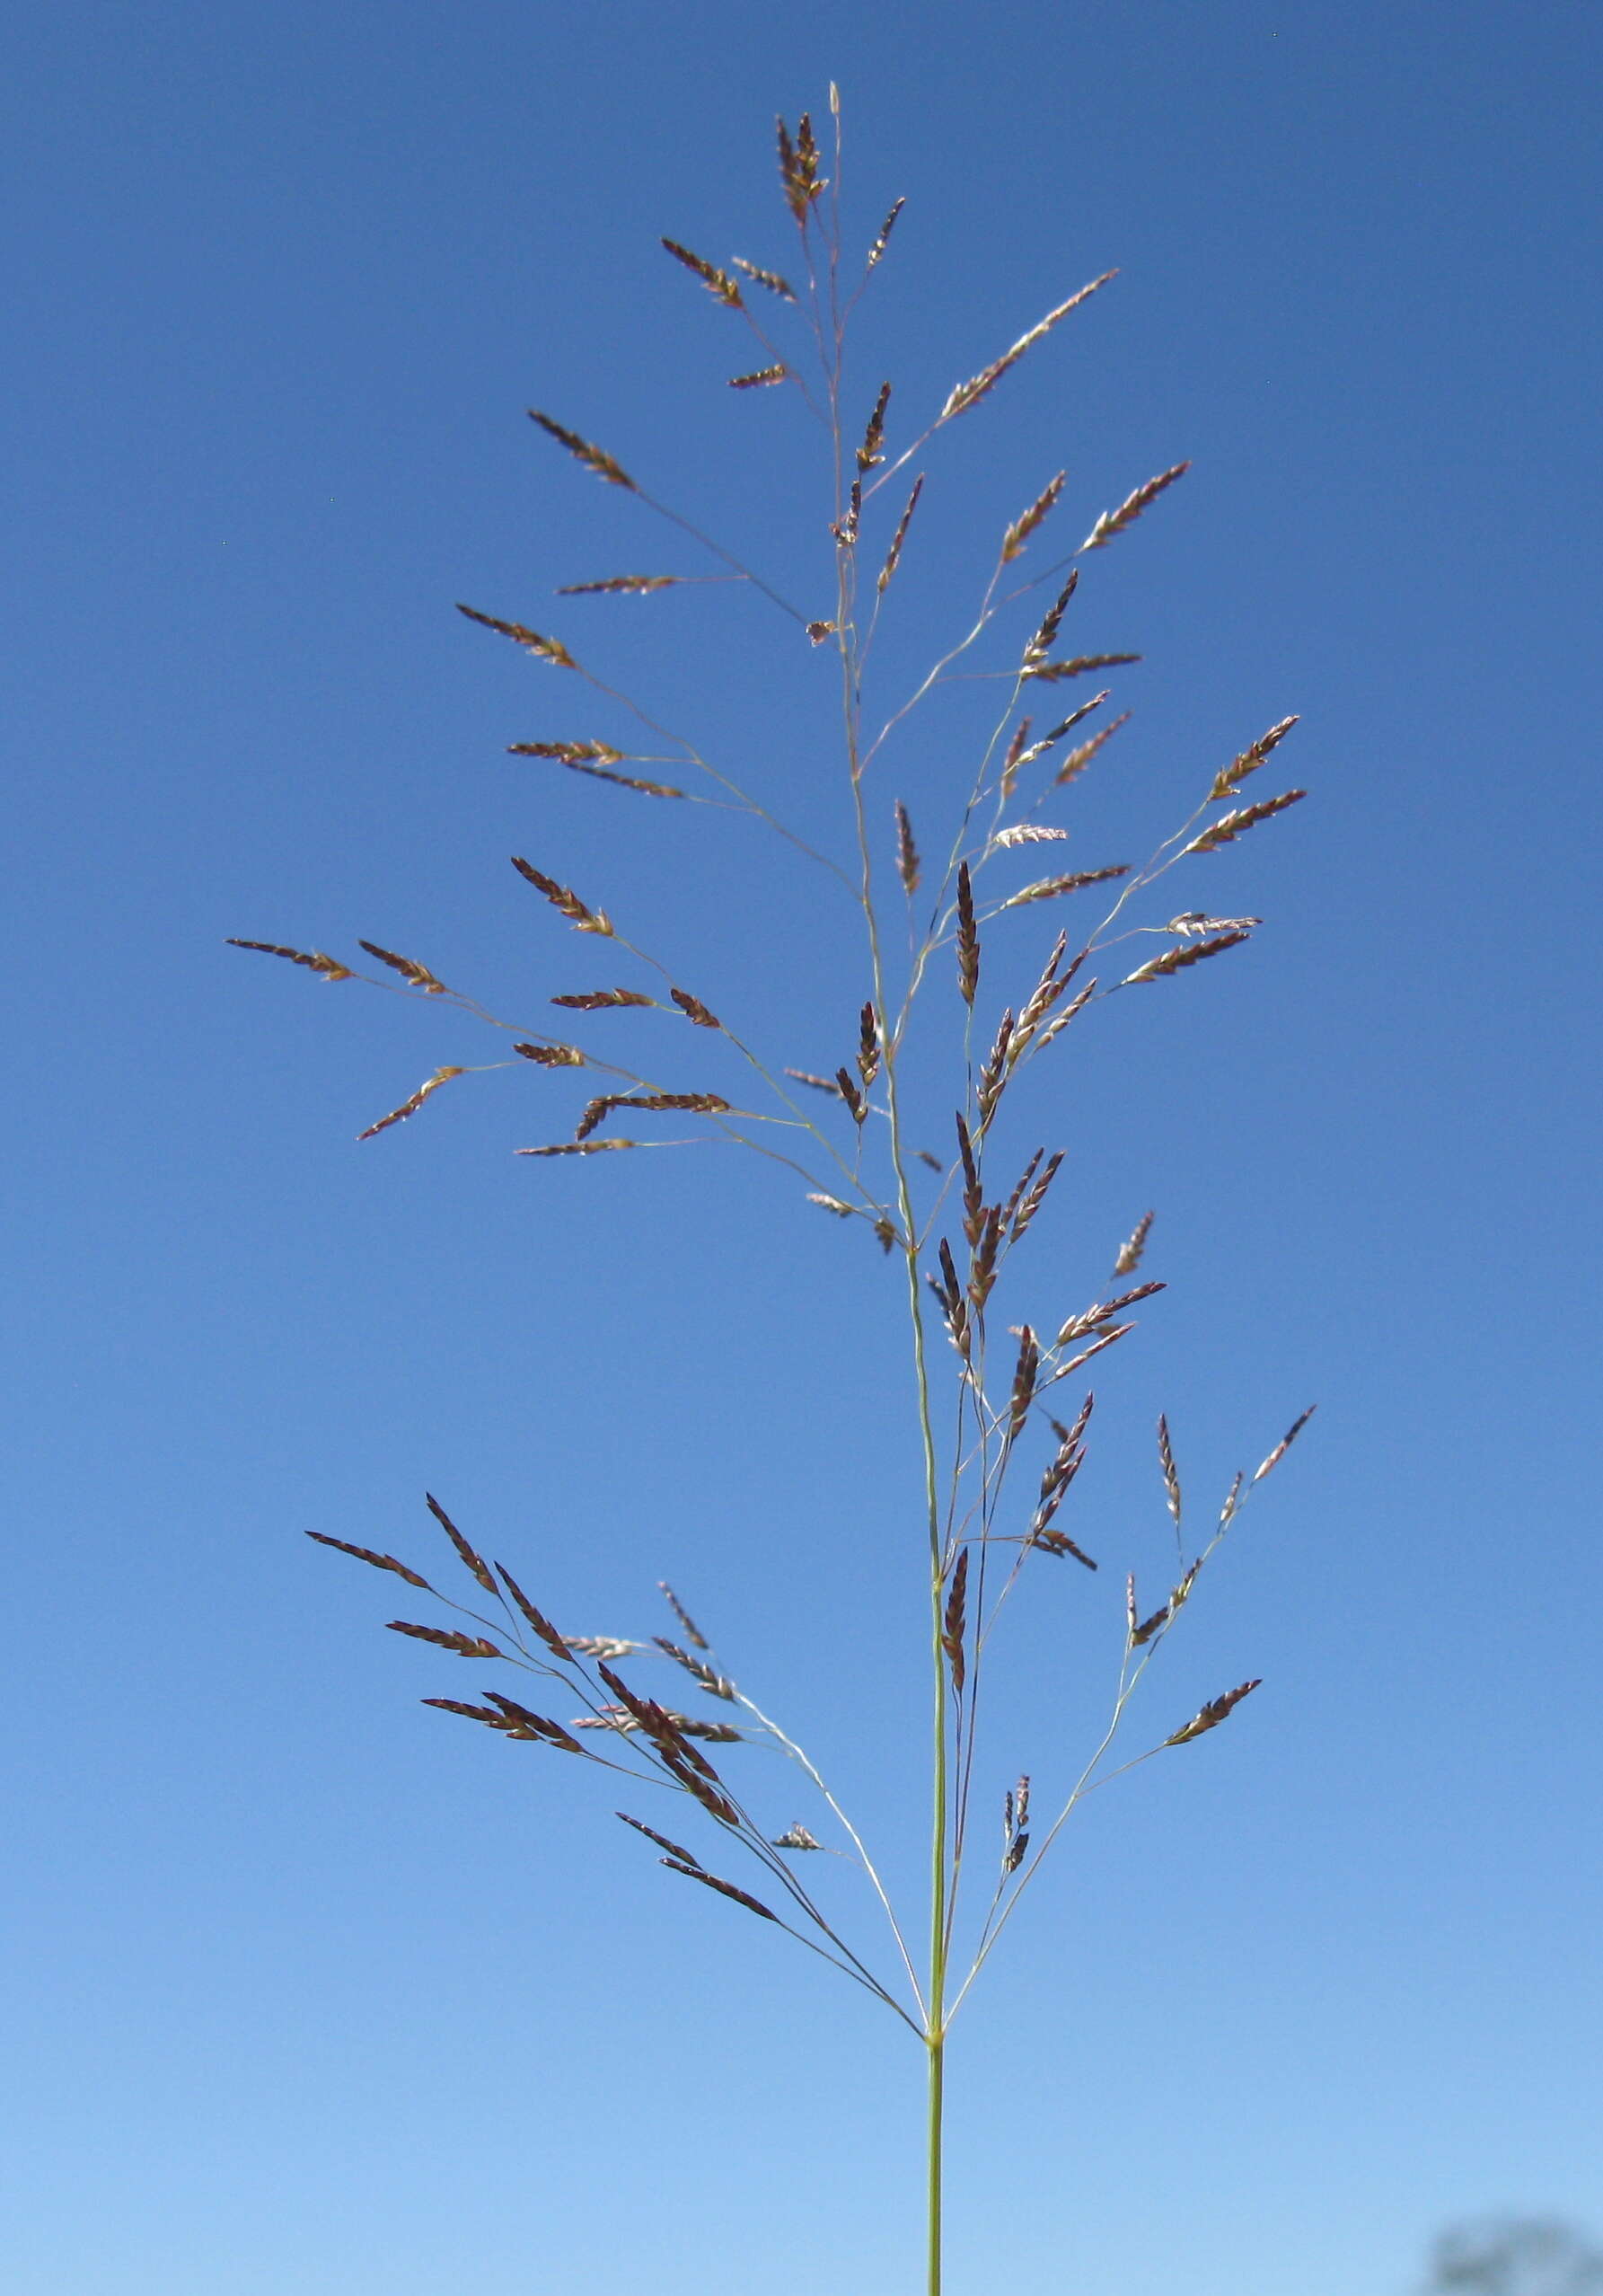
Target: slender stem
x: 938, y: 2050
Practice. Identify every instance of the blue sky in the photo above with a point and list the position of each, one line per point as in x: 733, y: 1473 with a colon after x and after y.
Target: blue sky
x: 319, y: 1990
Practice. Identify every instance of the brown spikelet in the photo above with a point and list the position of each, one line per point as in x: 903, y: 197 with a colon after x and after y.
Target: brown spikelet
x: 869, y: 454
x: 603, y: 999
x: 717, y: 283
x: 417, y: 975
x: 379, y: 1562
x: 602, y: 1645
x: 724, y: 1888
x: 519, y: 1723
x: 410, y: 1106
x: 622, y: 781
x: 1066, y: 725
x: 1165, y: 1460
x: 547, y: 1634
x: 868, y: 1045
x: 1144, y: 1631
x: 1209, y: 1717
x: 1047, y: 888
x: 575, y: 1147
x: 956, y: 1619
x: 893, y: 557
x: 1026, y: 524
x: 1230, y: 776
x: 717, y: 1685
x: 1050, y: 673
x: 982, y: 1269
x: 968, y: 394
x: 474, y: 1561
x: 619, y: 585
x: 1014, y: 758
x: 798, y: 167
x: 465, y: 1645
x: 563, y: 897
x: 993, y: 1075
x: 1103, y: 1311
x: 1175, y: 960
x: 796, y: 1837
x: 907, y: 852
x: 1036, y: 1197
x: 973, y: 1195
x: 769, y: 279
x: 552, y: 1056
x: 687, y: 1859
x: 1023, y: 1384
x: 688, y: 1627
x: 1070, y: 1012
x: 569, y: 753
x: 758, y: 378
x: 593, y: 458
x: 1227, y: 827
x: 1284, y: 1444
x: 1226, y: 1512
x: 597, y: 1111
x: 314, y: 959
x: 1077, y: 759
x: 886, y: 229
x: 829, y: 1203
x: 694, y: 1010
x: 847, y: 1087
x: 1131, y: 1251
x: 885, y: 1235
x: 818, y: 1083
x: 1046, y: 636
x: 1114, y: 522
x: 819, y: 630
x: 968, y: 938
x: 545, y: 649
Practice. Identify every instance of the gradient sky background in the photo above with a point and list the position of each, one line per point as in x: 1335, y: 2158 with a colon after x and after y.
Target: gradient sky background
x: 315, y: 1991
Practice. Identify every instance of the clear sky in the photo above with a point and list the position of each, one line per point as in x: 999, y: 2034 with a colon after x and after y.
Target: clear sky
x: 315, y: 1992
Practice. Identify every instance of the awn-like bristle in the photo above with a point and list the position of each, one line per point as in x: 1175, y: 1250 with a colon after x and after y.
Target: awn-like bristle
x: 1114, y: 522
x: 593, y: 458
x: 410, y: 1106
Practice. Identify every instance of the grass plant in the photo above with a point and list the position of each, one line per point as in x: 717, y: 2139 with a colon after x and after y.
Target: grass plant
x: 996, y: 1404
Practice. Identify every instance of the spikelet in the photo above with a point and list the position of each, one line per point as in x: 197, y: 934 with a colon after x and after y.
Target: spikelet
x: 758, y: 378
x: 969, y: 394
x: 769, y: 279
x: 868, y: 453
x: 724, y: 1888
x: 416, y: 976
x: 620, y: 781
x: 541, y: 1625
x: 819, y: 630
x: 409, y: 1106
x: 1035, y: 1198
x: 598, y: 1110
x: 1049, y: 740
x: 715, y: 1684
x: 576, y: 1148
x: 593, y: 458
x: 798, y: 167
x: 1209, y: 1717
x: 563, y: 897
x: 886, y: 229
x: 1175, y: 960
x: 474, y: 1561
x: 685, y: 1858
x: 1027, y: 832
x: 1229, y: 827
x: 544, y: 649
x: 1165, y: 1460
x: 314, y: 959
x: 694, y: 1010
x: 1190, y: 924
x: 1230, y: 776
x: 1023, y: 1384
x: 1131, y: 1251
x: 796, y: 1837
x: 569, y: 753
x: 603, y: 999
x: 893, y: 557
x: 1026, y: 524
x: 688, y: 1627
x: 465, y: 1645
x: 1047, y: 888
x: 1045, y: 636
x: 620, y: 586
x: 818, y: 1083
x: 968, y: 938
x: 831, y: 1204
x: 1050, y: 673
x: 1077, y: 760
x: 1284, y: 1444
x: 717, y: 283
x: 907, y: 852
x: 1102, y: 1311
x: 1114, y: 522
x: 1013, y: 759
x: 379, y: 1562
x: 956, y: 1619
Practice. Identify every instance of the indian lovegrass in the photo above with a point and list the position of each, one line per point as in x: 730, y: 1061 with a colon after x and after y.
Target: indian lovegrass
x: 961, y: 911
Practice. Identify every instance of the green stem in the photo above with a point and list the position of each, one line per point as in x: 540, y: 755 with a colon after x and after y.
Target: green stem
x: 937, y: 2047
